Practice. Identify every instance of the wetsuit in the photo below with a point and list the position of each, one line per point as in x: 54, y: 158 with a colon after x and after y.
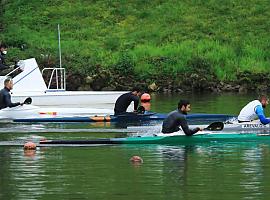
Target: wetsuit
x: 5, y: 99
x: 124, y: 101
x: 2, y: 62
x: 176, y: 119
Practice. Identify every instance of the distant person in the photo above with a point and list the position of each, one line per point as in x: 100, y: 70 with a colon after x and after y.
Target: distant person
x: 125, y: 100
x: 177, y: 119
x: 253, y: 110
x: 3, y: 52
x: 5, y: 98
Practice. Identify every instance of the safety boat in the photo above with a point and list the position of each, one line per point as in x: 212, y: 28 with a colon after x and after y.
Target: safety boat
x: 29, y: 82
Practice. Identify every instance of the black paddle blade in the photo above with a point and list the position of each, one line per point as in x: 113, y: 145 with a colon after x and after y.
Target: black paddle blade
x: 141, y: 110
x: 28, y: 100
x: 216, y: 126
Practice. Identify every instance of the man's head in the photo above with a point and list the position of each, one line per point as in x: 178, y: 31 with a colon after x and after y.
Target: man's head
x: 8, y: 83
x: 264, y: 100
x: 3, y: 49
x: 136, y: 91
x: 184, y: 106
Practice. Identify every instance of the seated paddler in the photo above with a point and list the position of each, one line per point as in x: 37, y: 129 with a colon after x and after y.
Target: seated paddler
x: 5, y: 97
x: 123, y: 102
x: 254, y: 110
x: 176, y: 120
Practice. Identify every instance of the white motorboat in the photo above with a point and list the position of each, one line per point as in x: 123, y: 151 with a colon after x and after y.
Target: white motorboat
x: 30, y: 83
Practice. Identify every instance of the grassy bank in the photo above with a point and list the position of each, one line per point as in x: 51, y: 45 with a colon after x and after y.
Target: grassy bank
x: 149, y: 39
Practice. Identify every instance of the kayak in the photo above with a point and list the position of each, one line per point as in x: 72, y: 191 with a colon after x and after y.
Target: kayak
x: 233, y: 126
x: 149, y: 116
x: 201, y: 137
x: 254, y: 126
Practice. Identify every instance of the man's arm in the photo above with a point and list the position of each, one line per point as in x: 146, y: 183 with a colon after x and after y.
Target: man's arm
x: 136, y: 102
x: 7, y: 99
x: 260, y: 113
x: 185, y: 128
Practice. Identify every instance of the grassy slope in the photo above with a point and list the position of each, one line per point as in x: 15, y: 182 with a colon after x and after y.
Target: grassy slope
x: 150, y: 37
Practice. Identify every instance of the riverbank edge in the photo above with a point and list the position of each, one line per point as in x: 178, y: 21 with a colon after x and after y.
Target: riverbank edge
x: 187, y: 82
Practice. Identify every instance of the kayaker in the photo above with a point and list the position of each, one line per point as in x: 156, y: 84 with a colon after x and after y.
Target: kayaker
x: 5, y: 98
x: 125, y: 100
x: 253, y: 110
x: 177, y: 119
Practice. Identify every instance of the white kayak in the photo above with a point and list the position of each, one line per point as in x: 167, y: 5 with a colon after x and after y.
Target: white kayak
x: 30, y: 111
x: 232, y: 126
x: 253, y: 126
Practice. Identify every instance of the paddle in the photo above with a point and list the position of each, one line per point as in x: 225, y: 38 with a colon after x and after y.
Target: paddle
x: 28, y: 100
x: 141, y: 110
x: 215, y: 126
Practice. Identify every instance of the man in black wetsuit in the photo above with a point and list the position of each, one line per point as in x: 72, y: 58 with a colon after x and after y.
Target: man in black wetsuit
x: 3, y: 52
x: 177, y: 118
x: 5, y: 98
x: 125, y: 100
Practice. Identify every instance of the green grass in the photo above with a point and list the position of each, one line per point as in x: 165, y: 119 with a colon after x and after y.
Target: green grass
x: 150, y: 38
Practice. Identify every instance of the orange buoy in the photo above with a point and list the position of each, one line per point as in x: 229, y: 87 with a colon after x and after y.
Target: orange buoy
x: 145, y: 97
x: 30, y: 146
x: 136, y: 159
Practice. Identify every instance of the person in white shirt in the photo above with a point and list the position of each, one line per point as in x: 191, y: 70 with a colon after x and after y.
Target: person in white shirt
x: 253, y: 110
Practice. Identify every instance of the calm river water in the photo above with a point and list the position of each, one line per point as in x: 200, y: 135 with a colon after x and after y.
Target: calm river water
x: 199, y: 171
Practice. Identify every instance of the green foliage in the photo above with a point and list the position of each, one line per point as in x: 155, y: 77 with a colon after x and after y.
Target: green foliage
x: 125, y: 64
x: 153, y: 39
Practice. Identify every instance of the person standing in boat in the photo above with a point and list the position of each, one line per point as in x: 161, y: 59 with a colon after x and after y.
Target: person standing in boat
x: 125, y: 100
x: 177, y: 119
x: 5, y: 98
x: 253, y: 110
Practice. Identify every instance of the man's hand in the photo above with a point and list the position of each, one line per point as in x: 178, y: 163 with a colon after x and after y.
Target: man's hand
x: 200, y: 129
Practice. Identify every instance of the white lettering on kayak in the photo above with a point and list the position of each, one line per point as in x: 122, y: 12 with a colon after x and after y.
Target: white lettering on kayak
x: 255, y: 126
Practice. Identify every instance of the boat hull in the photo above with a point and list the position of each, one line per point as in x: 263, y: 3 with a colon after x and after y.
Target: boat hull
x: 35, y: 112
x: 91, y: 99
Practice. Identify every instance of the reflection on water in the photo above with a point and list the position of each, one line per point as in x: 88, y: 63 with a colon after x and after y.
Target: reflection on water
x: 224, y: 170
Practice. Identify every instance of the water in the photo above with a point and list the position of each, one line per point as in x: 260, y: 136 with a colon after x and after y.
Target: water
x: 200, y: 171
